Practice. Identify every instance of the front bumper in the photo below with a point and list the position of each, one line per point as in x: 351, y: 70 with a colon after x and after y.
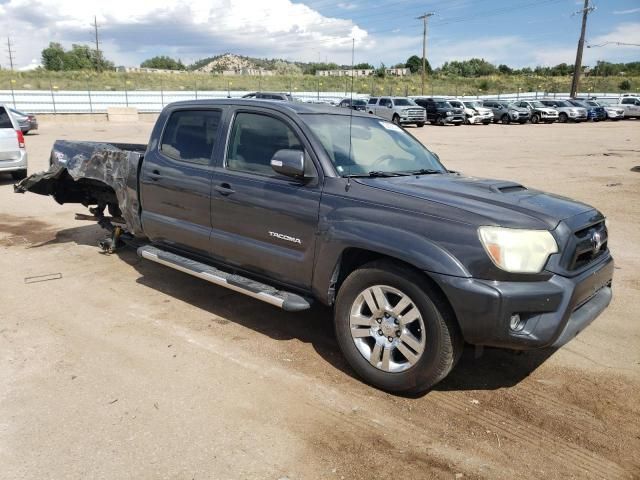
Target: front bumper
x: 554, y: 311
x: 482, y: 118
x: 12, y: 165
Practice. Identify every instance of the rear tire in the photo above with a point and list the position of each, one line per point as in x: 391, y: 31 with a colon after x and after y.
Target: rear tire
x: 19, y: 174
x: 420, y: 342
x: 420, y: 124
x: 563, y: 118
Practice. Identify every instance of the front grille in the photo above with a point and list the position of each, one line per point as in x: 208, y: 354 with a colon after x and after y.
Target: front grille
x: 416, y: 112
x: 585, y: 242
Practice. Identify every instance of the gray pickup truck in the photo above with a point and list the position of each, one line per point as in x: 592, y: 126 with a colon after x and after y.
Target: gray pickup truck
x: 292, y: 203
x: 399, y: 110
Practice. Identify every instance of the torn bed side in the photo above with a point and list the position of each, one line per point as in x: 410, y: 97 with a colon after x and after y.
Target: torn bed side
x: 92, y: 173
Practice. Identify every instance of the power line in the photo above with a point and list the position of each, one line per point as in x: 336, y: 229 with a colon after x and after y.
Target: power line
x: 619, y: 44
x: 578, y: 65
x: 425, y: 18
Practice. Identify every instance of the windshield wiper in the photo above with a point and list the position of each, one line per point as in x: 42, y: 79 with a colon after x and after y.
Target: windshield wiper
x: 423, y: 171
x: 376, y: 174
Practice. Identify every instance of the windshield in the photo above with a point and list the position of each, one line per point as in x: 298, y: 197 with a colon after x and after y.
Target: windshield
x: 593, y: 104
x: 473, y: 104
x: 562, y: 103
x: 537, y: 104
x: 443, y: 105
x: 402, y: 102
x: 376, y: 146
x: 511, y: 105
x: 359, y: 102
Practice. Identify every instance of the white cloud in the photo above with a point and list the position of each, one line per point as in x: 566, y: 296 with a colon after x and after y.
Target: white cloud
x: 184, y: 27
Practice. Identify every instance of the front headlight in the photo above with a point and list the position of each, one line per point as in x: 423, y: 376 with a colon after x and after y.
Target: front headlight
x: 449, y: 114
x: 516, y: 250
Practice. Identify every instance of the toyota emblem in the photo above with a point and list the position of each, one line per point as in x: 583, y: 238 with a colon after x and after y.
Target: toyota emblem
x: 596, y: 242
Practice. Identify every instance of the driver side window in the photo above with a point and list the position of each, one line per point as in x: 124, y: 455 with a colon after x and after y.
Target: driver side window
x: 254, y: 139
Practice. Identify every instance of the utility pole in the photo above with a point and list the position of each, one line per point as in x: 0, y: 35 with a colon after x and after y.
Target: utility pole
x: 95, y: 27
x: 10, y: 51
x: 424, y: 18
x: 578, y: 66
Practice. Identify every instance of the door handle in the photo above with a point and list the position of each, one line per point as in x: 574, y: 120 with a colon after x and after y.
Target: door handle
x: 224, y: 189
x: 154, y: 175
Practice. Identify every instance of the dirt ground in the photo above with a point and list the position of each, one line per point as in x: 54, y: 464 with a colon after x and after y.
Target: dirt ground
x: 123, y: 368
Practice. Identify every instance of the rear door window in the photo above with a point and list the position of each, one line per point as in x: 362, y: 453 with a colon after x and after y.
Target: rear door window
x: 5, y: 121
x: 190, y: 135
x: 385, y: 101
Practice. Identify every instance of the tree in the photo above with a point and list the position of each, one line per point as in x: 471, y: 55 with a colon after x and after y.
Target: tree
x: 80, y: 57
x: 504, y: 69
x: 53, y: 57
x: 381, y: 70
x: 414, y: 64
x: 164, y: 63
x: 363, y: 66
x: 624, y: 85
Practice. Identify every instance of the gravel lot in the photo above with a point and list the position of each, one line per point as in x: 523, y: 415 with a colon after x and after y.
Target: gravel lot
x: 127, y: 369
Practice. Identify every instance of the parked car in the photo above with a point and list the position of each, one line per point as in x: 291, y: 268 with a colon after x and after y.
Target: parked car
x: 566, y: 111
x: 355, y: 104
x: 291, y: 203
x: 440, y: 111
x: 613, y: 110
x: 284, y: 97
x: 400, y: 110
x: 507, y: 112
x: 13, y: 154
x: 631, y: 106
x: 26, y: 121
x: 474, y: 112
x: 538, y: 111
x: 595, y: 112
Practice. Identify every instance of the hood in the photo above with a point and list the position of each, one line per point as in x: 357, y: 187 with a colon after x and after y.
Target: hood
x: 500, y: 202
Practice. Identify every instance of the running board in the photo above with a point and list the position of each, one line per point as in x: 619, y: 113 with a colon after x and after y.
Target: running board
x: 288, y: 301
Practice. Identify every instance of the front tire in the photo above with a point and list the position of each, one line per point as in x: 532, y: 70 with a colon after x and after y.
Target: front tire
x: 535, y: 119
x: 395, y: 329
x: 420, y: 124
x: 396, y: 120
x: 563, y: 118
x: 505, y: 119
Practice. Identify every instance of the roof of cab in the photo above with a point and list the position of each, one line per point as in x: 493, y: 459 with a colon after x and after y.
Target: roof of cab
x: 297, y: 107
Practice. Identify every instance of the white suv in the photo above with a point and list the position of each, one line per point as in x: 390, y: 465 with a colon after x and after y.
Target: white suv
x: 13, y: 155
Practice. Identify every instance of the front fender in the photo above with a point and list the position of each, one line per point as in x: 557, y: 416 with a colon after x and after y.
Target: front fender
x: 410, y: 247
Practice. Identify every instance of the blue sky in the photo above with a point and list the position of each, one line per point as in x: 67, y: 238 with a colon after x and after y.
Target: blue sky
x: 516, y: 32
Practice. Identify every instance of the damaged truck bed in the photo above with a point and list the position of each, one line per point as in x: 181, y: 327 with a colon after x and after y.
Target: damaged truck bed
x: 102, y: 175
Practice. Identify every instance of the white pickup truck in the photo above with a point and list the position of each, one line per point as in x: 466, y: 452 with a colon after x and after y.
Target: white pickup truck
x: 13, y: 155
x: 631, y: 106
x: 399, y: 110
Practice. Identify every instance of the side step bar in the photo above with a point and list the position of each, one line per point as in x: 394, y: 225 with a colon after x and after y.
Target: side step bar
x: 288, y: 301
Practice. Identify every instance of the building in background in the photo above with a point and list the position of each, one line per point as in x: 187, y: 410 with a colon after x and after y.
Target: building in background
x: 345, y: 73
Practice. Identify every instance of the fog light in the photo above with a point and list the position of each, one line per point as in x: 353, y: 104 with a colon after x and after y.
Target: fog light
x: 516, y: 324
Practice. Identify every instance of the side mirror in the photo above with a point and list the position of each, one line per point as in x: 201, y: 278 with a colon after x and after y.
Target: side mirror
x: 289, y: 163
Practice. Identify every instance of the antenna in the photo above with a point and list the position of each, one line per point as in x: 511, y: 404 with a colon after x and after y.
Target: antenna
x: 353, y: 49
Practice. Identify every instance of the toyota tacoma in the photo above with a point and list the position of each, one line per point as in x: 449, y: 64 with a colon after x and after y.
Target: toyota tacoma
x: 292, y: 203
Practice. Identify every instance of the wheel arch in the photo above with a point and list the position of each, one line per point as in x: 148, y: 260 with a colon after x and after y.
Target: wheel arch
x: 353, y: 258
